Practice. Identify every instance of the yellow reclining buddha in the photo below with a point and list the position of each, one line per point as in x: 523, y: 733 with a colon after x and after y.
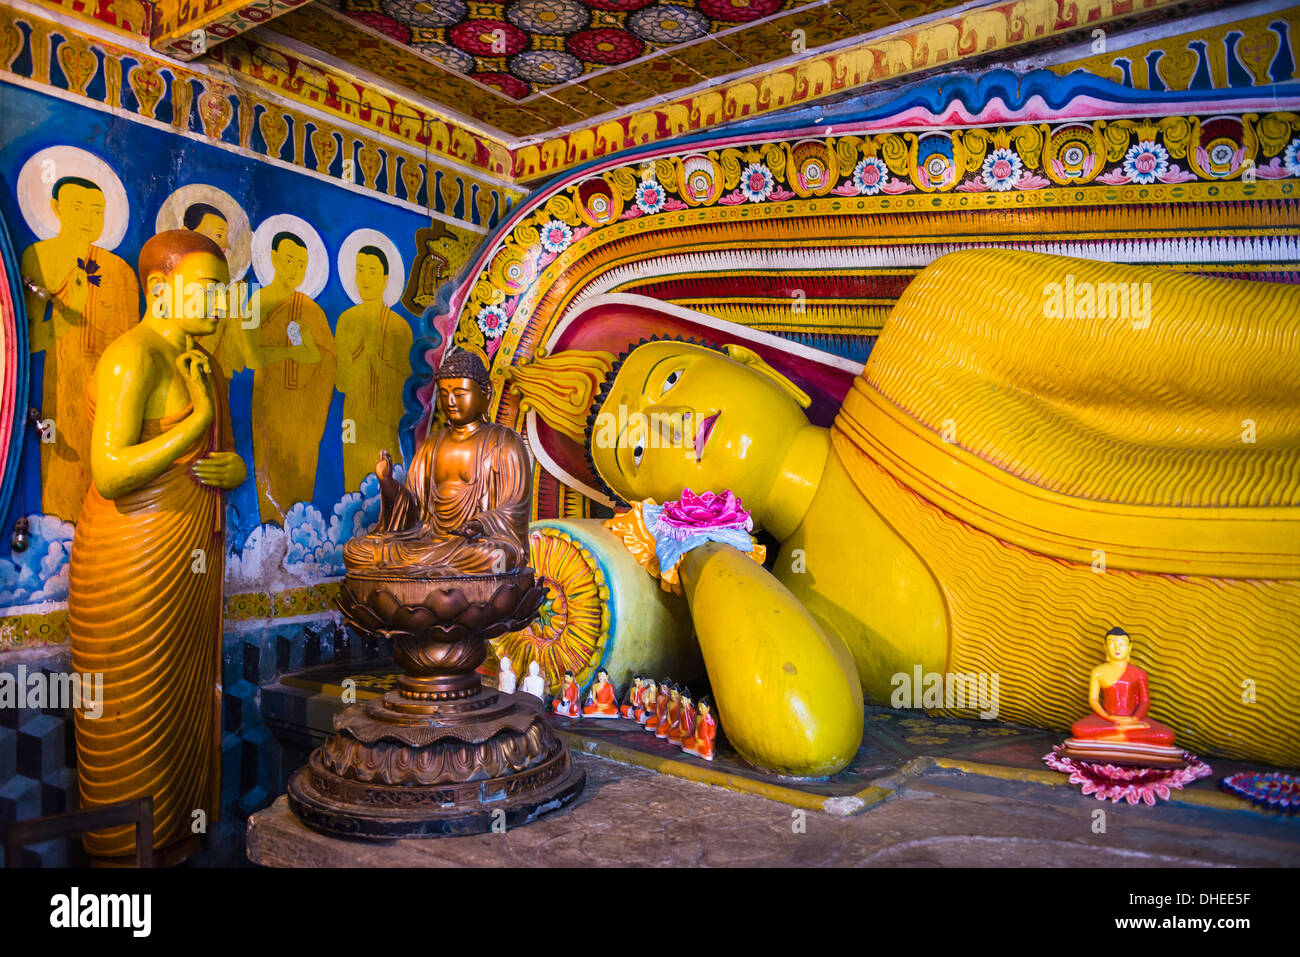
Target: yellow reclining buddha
x: 1028, y: 460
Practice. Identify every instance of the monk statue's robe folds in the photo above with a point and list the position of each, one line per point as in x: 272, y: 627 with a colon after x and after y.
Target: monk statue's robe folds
x: 416, y: 535
x: 144, y: 609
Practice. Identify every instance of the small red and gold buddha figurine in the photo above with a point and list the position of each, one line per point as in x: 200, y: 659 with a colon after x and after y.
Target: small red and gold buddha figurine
x: 701, y: 742
x: 601, y: 700
x: 1118, y: 730
x: 684, y: 726
x: 660, y: 713
x: 566, y: 703
x: 635, y: 697
x: 649, y: 698
x: 672, y: 713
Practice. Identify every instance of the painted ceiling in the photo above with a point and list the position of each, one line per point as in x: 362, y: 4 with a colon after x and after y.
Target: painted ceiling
x: 529, y: 66
x: 526, y: 47
x: 515, y: 91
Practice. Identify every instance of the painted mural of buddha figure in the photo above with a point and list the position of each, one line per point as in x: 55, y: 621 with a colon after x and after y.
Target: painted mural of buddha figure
x: 463, y: 509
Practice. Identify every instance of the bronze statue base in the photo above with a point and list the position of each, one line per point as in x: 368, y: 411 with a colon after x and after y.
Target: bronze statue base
x: 442, y: 755
x: 490, y: 762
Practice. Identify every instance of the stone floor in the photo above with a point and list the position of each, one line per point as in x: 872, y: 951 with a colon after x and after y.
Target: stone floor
x: 633, y: 816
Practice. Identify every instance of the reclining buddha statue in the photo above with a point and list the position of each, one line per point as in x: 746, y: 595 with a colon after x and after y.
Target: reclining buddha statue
x: 1028, y: 459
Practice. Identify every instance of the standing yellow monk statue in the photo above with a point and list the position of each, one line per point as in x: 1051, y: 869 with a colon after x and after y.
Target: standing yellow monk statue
x: 93, y: 299
x: 374, y: 361
x: 465, y: 505
x: 291, y: 350
x: 145, y: 580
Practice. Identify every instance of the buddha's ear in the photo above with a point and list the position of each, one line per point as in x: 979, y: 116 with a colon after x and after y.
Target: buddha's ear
x: 752, y: 359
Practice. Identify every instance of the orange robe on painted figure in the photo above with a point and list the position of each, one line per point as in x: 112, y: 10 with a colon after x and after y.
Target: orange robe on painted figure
x: 701, y: 743
x: 649, y: 699
x: 567, y: 702
x: 635, y: 697
x: 660, y: 714
x: 1119, y: 729
x: 684, y: 726
x: 672, y: 714
x: 601, y: 700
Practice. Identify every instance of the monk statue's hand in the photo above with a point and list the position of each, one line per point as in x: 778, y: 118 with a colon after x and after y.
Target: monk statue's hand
x: 195, y: 370
x: 221, y: 470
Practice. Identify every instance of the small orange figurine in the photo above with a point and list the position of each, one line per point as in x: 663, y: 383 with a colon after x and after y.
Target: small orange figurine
x: 1119, y: 730
x: 635, y: 698
x: 660, y: 713
x: 684, y: 726
x: 649, y: 698
x: 601, y: 700
x: 701, y: 743
x: 672, y: 714
x: 566, y: 703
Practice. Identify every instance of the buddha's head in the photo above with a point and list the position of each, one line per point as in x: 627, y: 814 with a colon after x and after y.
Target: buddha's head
x: 288, y: 259
x: 78, y: 205
x: 1117, y: 645
x: 372, y: 273
x: 704, y: 706
x: 505, y: 664
x: 602, y: 676
x: 534, y: 669
x: 464, y: 387
x: 191, y: 263
x: 675, y: 415
x: 208, y: 220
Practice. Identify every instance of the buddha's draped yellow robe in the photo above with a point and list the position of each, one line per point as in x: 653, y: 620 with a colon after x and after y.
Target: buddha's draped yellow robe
x: 145, y: 609
x: 1063, y: 476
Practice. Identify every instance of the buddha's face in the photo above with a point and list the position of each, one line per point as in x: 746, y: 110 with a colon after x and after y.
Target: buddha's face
x: 371, y: 277
x: 80, y: 212
x: 462, y: 400
x: 505, y: 664
x: 533, y: 668
x: 684, y: 416
x: 214, y: 227
x: 1117, y: 647
x: 204, y: 270
x: 289, y: 260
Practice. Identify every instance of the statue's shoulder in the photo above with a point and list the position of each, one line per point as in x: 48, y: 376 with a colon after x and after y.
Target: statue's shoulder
x: 505, y: 437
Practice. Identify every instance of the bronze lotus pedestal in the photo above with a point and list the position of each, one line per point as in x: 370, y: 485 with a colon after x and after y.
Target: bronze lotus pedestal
x: 442, y: 755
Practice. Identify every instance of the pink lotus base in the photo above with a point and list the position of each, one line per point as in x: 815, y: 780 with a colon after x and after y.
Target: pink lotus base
x: 1111, y: 782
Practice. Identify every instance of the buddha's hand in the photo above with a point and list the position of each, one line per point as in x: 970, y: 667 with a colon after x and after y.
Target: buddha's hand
x: 472, y: 531
x: 195, y: 370
x: 221, y: 470
x: 1124, y: 721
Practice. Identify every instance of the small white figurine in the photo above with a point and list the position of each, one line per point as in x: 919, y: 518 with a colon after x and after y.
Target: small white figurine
x: 506, y: 678
x: 534, y: 683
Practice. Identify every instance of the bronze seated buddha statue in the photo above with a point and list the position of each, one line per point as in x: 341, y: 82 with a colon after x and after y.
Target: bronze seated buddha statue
x: 464, y: 507
x: 443, y: 572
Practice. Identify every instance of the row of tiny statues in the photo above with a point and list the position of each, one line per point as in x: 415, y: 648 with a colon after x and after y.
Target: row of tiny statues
x: 662, y: 708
